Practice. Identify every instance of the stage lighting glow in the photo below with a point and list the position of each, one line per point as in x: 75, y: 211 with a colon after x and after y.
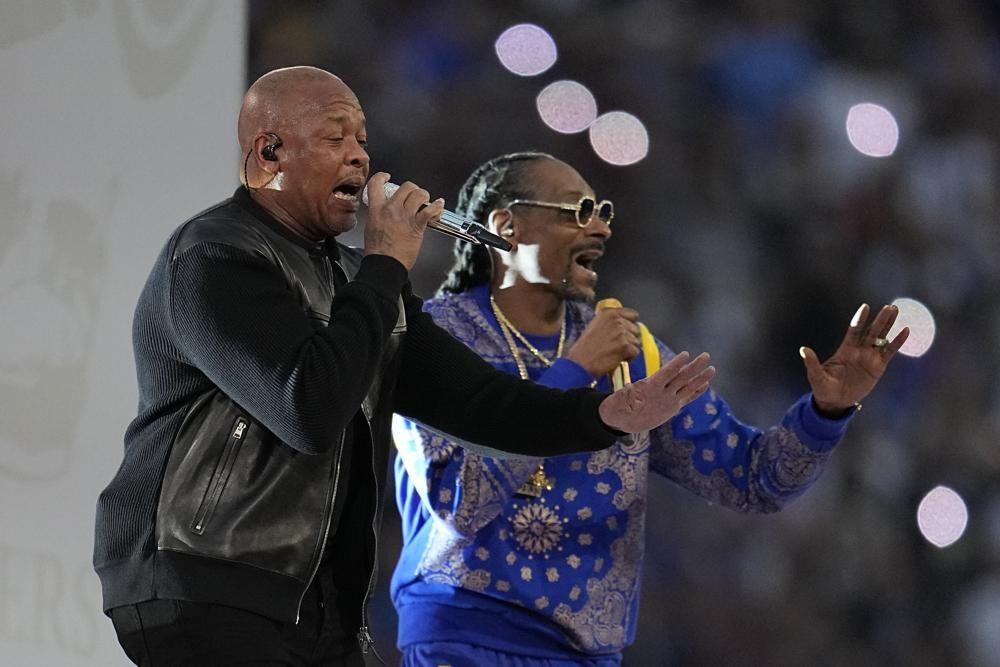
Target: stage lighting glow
x: 942, y: 516
x: 872, y: 130
x: 918, y: 317
x: 619, y: 138
x: 526, y: 49
x: 566, y: 106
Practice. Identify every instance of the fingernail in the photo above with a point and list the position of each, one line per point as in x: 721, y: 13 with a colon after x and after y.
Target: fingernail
x: 802, y: 350
x: 857, y: 316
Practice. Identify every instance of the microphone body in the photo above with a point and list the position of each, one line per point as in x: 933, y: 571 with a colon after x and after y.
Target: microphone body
x: 454, y: 225
x: 621, y: 376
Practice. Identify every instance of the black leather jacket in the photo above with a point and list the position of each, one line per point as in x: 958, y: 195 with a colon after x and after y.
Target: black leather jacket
x: 240, y: 518
x: 279, y: 504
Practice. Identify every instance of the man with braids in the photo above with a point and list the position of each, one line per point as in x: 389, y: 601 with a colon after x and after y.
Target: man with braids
x: 537, y: 561
x: 241, y: 526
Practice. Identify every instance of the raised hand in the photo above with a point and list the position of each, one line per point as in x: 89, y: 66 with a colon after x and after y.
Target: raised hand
x: 609, y: 339
x: 396, y: 224
x: 856, y: 367
x: 650, y: 402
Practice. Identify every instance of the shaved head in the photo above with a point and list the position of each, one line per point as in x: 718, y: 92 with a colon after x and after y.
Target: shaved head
x: 283, y: 97
x: 304, y: 150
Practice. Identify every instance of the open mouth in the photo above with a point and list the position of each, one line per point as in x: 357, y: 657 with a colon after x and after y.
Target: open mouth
x: 583, y: 263
x: 348, y: 191
x: 587, y: 259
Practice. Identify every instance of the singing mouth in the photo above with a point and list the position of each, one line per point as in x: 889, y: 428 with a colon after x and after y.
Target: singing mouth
x: 348, y: 191
x: 588, y: 258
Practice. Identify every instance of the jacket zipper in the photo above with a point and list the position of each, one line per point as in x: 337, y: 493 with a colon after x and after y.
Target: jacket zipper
x: 332, y: 501
x: 365, y: 639
x: 219, y: 478
x: 326, y: 529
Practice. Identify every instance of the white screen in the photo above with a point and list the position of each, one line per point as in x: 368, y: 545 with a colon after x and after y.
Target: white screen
x: 118, y: 122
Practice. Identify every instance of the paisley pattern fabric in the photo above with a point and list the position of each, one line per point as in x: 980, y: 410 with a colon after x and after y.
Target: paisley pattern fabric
x: 573, y: 556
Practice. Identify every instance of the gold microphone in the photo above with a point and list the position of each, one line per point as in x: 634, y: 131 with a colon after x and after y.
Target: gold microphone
x: 620, y: 376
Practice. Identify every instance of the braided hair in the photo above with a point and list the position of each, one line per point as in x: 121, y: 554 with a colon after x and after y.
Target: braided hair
x: 490, y: 185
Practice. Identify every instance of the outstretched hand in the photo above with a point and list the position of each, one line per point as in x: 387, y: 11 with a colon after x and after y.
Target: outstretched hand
x: 650, y: 402
x: 856, y: 367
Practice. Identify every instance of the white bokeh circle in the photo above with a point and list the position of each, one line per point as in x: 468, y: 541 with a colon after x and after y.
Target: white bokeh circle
x: 619, y: 138
x: 942, y: 516
x: 918, y: 317
x: 566, y: 106
x: 872, y: 130
x: 526, y: 49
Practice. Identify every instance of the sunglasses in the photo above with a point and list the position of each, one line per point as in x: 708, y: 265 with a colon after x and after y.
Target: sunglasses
x: 584, y: 209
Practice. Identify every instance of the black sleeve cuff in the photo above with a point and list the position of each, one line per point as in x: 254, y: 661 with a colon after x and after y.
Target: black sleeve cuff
x: 384, y: 274
x: 592, y: 421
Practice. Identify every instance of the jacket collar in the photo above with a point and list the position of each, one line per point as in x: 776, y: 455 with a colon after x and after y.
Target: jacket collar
x: 328, y: 245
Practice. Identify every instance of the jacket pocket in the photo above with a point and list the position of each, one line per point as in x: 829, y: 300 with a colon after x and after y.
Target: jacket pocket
x: 220, y: 476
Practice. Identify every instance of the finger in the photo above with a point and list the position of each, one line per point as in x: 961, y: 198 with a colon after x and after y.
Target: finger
x: 856, y: 330
x: 633, y: 338
x: 606, y: 314
x: 629, y: 314
x: 415, y: 200
x: 376, y: 188
x: 890, y: 320
x: 690, y: 370
x: 701, y: 378
x: 631, y: 351
x: 893, y: 347
x: 430, y: 212
x: 814, y: 369
x: 687, y: 397
x: 879, y: 327
x: 632, y: 329
x: 696, y: 387
x: 669, y: 370
x: 399, y: 196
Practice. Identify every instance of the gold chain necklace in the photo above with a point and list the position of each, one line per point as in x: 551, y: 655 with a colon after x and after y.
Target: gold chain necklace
x: 538, y: 482
x: 507, y: 328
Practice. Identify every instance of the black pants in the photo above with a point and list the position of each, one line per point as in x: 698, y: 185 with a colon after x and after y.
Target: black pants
x: 162, y: 633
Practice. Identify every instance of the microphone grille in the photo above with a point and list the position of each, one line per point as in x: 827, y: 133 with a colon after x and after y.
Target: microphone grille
x: 389, y: 188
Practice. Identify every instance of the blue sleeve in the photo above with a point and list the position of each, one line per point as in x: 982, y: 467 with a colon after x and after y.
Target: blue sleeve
x: 565, y: 374
x: 710, y: 452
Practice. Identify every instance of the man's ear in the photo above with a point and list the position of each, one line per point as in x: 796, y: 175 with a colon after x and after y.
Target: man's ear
x: 501, y: 222
x: 265, y: 157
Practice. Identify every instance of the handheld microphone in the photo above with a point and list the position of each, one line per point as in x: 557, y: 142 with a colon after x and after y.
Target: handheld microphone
x: 621, y: 376
x: 454, y: 224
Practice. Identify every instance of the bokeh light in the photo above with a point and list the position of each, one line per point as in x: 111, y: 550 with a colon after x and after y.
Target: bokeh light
x: 619, y: 138
x: 566, y: 106
x: 918, y: 317
x: 872, y: 130
x: 526, y: 49
x: 942, y: 516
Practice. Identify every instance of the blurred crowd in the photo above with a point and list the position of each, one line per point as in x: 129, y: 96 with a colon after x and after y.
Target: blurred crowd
x: 751, y: 228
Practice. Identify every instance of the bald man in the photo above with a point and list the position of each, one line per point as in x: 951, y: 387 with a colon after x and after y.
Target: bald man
x: 242, y: 524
